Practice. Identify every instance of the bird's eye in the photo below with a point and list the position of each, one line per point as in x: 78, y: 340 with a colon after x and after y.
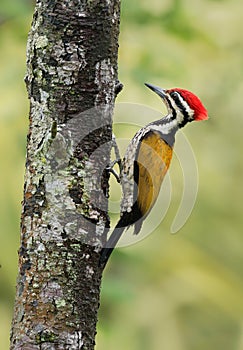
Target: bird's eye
x: 174, y: 94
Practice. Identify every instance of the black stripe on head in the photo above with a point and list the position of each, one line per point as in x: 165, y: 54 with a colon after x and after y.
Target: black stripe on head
x: 177, y: 98
x: 171, y: 108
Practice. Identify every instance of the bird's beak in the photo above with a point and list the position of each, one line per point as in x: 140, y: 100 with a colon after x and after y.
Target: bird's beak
x: 157, y: 90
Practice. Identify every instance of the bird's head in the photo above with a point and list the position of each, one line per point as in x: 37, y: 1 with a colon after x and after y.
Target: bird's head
x: 182, y: 104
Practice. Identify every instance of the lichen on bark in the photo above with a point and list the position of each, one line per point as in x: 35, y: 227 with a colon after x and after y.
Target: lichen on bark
x: 71, y: 81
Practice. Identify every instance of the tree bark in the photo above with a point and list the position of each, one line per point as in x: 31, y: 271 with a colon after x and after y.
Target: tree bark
x: 71, y: 80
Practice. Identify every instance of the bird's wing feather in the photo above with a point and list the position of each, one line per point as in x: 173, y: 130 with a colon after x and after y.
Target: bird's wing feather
x: 153, y: 160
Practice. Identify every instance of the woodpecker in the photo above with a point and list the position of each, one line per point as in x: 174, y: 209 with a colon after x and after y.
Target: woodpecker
x: 148, y: 158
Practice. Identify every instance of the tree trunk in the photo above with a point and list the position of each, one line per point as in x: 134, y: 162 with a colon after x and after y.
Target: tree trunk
x: 71, y: 80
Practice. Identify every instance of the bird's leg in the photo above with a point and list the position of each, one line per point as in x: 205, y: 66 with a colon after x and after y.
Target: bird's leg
x: 112, y: 171
x: 117, y: 160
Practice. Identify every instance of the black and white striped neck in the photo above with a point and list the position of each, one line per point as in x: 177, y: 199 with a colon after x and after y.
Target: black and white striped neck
x: 165, y: 125
x: 179, y: 109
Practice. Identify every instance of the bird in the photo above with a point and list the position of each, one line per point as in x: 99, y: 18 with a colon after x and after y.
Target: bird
x: 147, y: 160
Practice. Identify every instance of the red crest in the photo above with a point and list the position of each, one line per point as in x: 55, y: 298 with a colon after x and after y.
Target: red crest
x: 200, y: 112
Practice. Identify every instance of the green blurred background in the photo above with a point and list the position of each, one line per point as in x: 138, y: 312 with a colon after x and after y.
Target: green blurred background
x: 175, y: 292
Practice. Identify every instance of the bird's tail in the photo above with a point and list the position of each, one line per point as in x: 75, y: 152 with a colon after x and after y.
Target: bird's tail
x: 111, y: 243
